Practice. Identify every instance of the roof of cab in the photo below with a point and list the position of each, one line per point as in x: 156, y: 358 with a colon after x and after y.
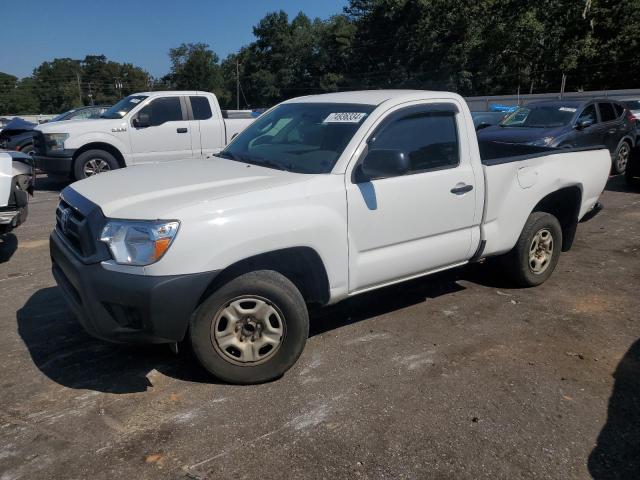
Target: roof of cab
x: 372, y: 97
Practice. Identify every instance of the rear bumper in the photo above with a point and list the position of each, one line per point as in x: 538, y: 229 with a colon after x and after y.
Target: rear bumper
x: 126, y: 308
x: 59, y: 164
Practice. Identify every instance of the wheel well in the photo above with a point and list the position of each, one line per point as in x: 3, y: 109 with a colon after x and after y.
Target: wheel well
x: 101, y: 146
x: 301, y: 265
x: 564, y: 204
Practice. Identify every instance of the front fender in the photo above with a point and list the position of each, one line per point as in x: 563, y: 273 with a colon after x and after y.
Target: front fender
x: 119, y: 140
x: 213, y: 237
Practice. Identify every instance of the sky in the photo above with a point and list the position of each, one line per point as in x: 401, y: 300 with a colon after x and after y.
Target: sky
x: 135, y: 31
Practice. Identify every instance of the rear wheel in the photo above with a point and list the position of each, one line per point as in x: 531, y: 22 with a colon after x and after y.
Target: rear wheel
x: 251, y: 330
x: 535, y: 255
x: 93, y: 162
x: 621, y: 158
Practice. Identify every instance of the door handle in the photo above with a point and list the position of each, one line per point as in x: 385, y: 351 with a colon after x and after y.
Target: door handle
x: 461, y: 189
x: 181, y: 130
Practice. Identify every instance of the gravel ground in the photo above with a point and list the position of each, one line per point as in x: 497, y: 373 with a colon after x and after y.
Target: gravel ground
x: 453, y: 376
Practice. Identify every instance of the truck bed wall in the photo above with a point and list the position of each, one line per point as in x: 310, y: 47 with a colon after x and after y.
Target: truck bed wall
x: 515, y: 185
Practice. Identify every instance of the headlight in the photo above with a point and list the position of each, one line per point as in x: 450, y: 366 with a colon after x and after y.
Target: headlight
x: 135, y: 242
x: 541, y: 142
x: 55, y: 141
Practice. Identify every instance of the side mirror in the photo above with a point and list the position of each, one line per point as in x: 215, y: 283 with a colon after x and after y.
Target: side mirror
x: 584, y: 124
x: 142, y: 120
x: 384, y: 163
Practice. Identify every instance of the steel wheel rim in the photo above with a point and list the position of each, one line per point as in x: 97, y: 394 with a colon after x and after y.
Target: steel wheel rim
x: 95, y: 166
x: 541, y: 251
x: 248, y: 330
x: 623, y: 157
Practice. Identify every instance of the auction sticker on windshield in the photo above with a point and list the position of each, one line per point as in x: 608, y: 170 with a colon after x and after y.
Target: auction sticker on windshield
x: 344, y: 117
x: 567, y: 109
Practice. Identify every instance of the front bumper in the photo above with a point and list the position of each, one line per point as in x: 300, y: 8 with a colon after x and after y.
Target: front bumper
x: 58, y: 164
x: 12, y: 218
x: 126, y: 308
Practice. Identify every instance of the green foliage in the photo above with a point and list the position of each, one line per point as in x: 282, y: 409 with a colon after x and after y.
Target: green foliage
x: 194, y: 66
x: 65, y: 83
x: 482, y: 47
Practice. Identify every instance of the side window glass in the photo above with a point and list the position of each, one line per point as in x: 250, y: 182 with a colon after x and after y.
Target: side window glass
x: 607, y: 113
x: 619, y: 109
x: 588, y: 114
x: 162, y: 110
x: 430, y: 139
x: 201, y: 108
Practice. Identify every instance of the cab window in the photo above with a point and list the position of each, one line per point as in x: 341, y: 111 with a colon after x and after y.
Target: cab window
x: 163, y: 110
x: 430, y: 139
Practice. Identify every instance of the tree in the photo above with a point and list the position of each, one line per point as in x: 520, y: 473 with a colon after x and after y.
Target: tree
x: 194, y: 66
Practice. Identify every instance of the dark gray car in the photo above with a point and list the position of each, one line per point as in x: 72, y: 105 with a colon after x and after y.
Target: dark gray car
x: 570, y: 124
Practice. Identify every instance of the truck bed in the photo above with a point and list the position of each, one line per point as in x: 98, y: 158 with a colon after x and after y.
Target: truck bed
x: 518, y: 176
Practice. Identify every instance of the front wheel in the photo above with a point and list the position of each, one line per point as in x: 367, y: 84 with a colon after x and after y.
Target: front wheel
x: 93, y: 162
x: 621, y: 158
x: 251, y: 330
x: 535, y: 255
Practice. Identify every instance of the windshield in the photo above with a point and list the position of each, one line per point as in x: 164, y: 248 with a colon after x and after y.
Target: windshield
x: 299, y: 137
x: 62, y: 116
x: 123, y: 107
x: 545, y: 116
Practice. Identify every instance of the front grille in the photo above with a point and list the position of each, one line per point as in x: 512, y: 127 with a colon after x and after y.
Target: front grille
x: 39, y: 144
x: 74, y: 228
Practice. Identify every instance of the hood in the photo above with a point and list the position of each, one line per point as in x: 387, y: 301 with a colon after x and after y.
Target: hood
x: 81, y: 126
x: 162, y: 190
x: 517, y: 134
x: 19, y: 124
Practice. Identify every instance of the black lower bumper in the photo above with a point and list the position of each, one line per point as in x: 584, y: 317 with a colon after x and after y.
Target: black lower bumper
x: 595, y: 210
x: 12, y: 218
x: 56, y: 165
x: 126, y: 308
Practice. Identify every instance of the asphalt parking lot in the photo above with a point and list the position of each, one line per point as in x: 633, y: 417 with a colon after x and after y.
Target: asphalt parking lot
x: 453, y: 376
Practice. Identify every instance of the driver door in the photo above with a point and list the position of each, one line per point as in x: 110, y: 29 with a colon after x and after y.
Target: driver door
x: 590, y: 135
x: 162, y: 133
x: 405, y: 225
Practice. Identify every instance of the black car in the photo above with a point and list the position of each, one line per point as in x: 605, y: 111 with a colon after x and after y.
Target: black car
x: 569, y: 124
x: 486, y: 119
x: 18, y: 133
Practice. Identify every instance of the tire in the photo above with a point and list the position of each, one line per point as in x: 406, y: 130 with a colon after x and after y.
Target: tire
x: 28, y: 149
x: 621, y: 158
x: 518, y: 263
x: 93, y: 162
x: 269, y: 310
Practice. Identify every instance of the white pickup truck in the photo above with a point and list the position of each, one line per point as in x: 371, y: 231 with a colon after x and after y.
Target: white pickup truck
x: 141, y: 128
x: 322, y: 198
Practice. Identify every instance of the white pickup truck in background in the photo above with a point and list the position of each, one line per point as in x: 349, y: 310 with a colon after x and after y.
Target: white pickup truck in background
x: 141, y: 128
x: 322, y: 198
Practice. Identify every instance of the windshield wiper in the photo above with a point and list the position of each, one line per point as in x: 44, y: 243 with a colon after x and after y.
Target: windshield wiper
x: 261, y: 162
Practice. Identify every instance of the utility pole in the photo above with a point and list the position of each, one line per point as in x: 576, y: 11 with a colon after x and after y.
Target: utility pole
x: 237, y: 84
x: 564, y: 82
x: 79, y: 88
x: 90, y: 95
